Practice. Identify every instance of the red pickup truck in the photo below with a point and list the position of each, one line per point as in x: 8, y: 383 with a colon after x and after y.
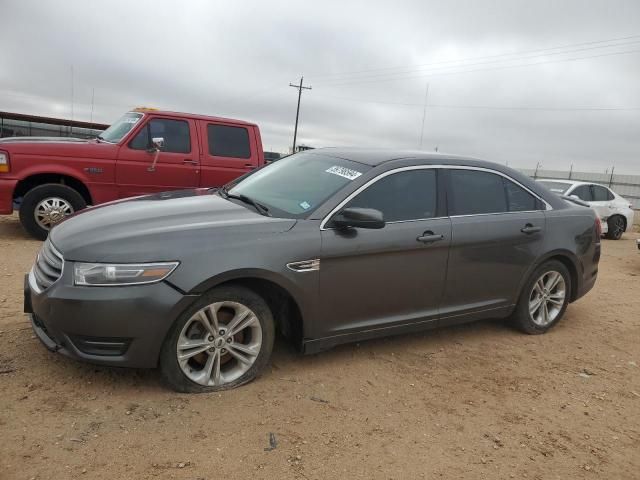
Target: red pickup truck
x: 145, y: 151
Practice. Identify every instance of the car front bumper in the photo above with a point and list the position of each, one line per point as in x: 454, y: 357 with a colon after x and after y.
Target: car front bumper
x: 118, y: 326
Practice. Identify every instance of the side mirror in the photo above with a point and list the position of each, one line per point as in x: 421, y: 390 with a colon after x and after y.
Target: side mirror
x: 358, y: 218
x: 575, y: 196
x: 158, y: 143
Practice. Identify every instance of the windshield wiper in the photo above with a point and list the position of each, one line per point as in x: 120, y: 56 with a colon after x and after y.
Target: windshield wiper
x: 99, y: 139
x: 261, y: 209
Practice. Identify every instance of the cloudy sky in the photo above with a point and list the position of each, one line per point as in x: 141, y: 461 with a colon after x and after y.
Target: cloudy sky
x: 517, y: 81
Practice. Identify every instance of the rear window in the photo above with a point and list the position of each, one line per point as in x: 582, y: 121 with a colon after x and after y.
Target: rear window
x: 227, y: 141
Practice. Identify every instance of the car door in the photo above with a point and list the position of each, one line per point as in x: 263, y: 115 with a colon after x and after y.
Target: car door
x: 371, y: 279
x: 229, y: 151
x: 603, y: 201
x: 497, y: 234
x: 177, y: 163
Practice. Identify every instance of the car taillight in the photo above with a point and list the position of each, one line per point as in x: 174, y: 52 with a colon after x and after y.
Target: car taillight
x: 4, y: 162
x: 598, y: 227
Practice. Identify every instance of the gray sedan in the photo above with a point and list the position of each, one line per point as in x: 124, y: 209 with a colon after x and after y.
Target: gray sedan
x: 326, y: 246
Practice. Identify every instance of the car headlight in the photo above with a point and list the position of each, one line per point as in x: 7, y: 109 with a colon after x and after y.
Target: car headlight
x: 111, y: 274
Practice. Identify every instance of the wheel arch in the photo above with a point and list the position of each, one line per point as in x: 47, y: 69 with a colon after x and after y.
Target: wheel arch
x: 279, y: 293
x: 569, y: 260
x: 37, y: 179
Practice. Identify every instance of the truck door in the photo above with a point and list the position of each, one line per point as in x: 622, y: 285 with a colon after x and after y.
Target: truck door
x: 228, y: 151
x: 176, y: 167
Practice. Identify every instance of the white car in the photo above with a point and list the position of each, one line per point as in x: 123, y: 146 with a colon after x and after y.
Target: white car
x: 615, y: 212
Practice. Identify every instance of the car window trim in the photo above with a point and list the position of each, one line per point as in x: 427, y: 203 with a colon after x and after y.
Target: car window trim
x: 363, y: 187
x: 326, y: 219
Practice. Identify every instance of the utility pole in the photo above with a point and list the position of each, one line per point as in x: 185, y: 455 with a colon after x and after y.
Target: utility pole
x: 424, y: 114
x: 71, y: 123
x: 570, y: 171
x: 295, y: 131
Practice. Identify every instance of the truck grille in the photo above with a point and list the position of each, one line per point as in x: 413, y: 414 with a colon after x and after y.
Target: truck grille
x: 48, y: 266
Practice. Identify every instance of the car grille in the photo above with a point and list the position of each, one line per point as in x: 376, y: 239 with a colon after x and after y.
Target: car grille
x: 48, y: 266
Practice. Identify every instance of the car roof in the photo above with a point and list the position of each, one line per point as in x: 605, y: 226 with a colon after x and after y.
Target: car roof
x: 377, y: 156
x: 194, y: 116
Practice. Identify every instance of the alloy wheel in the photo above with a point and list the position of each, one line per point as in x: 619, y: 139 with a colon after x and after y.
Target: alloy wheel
x: 50, y: 211
x: 547, y: 298
x: 618, y: 227
x: 219, y: 343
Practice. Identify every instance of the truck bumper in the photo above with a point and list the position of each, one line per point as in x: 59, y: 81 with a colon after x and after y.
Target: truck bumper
x: 7, y: 186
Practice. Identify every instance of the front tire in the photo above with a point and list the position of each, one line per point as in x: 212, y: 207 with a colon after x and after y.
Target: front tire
x: 223, y: 341
x: 616, y: 226
x: 544, y: 298
x: 46, y: 205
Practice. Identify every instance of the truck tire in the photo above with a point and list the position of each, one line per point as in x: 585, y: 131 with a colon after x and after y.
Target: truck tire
x: 46, y: 205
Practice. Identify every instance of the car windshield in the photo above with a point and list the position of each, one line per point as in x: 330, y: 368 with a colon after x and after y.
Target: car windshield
x: 296, y: 185
x: 556, y: 187
x: 119, y: 129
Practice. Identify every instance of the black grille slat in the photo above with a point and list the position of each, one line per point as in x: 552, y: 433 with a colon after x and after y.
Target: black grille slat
x: 48, y: 266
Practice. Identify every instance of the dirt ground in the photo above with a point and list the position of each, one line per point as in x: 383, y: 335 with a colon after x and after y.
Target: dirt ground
x: 474, y: 401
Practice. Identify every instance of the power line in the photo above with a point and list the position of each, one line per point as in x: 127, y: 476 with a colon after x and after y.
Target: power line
x: 481, y: 107
x: 300, y: 87
x: 521, y: 52
x: 500, y: 67
x: 393, y: 74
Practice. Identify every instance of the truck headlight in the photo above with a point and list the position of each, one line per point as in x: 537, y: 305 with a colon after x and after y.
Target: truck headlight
x: 111, y: 274
x: 4, y: 162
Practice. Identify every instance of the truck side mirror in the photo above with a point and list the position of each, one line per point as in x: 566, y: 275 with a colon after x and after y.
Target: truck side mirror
x: 158, y: 144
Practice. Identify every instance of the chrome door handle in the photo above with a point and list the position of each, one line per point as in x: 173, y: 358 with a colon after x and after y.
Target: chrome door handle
x: 429, y: 237
x: 529, y: 229
x: 189, y: 161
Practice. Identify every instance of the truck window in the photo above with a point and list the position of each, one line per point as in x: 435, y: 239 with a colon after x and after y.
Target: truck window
x: 175, y: 133
x: 226, y: 141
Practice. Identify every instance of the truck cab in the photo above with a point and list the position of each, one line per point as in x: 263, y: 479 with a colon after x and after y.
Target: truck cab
x: 145, y: 151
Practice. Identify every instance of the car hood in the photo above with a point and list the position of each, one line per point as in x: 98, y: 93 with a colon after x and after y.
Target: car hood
x: 59, y: 147
x: 158, y: 227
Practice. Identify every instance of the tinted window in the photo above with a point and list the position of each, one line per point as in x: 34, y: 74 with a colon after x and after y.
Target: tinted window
x: 601, y: 194
x: 175, y: 134
x: 474, y: 192
x: 225, y: 141
x: 583, y: 192
x: 408, y: 195
x: 518, y: 199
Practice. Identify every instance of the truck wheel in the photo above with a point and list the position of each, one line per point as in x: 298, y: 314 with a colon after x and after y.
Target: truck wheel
x: 46, y: 205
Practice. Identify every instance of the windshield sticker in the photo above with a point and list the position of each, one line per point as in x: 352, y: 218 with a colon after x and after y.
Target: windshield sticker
x: 344, y: 172
x: 131, y: 120
x: 305, y: 205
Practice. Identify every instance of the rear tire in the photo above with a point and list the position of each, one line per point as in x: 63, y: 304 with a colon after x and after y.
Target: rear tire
x: 46, y: 205
x: 544, y: 298
x: 616, y: 224
x: 205, y: 352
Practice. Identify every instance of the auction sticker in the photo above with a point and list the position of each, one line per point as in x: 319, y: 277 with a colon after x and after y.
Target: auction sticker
x: 344, y: 172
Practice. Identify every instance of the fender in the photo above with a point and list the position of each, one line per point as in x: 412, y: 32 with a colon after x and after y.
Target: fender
x: 568, y: 254
x: 260, y: 274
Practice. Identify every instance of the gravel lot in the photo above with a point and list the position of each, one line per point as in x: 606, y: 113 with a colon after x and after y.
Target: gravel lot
x: 474, y: 401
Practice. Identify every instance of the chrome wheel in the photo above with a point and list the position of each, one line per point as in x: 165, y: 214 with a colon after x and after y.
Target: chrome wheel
x: 547, y: 298
x: 50, y: 211
x: 219, y: 343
